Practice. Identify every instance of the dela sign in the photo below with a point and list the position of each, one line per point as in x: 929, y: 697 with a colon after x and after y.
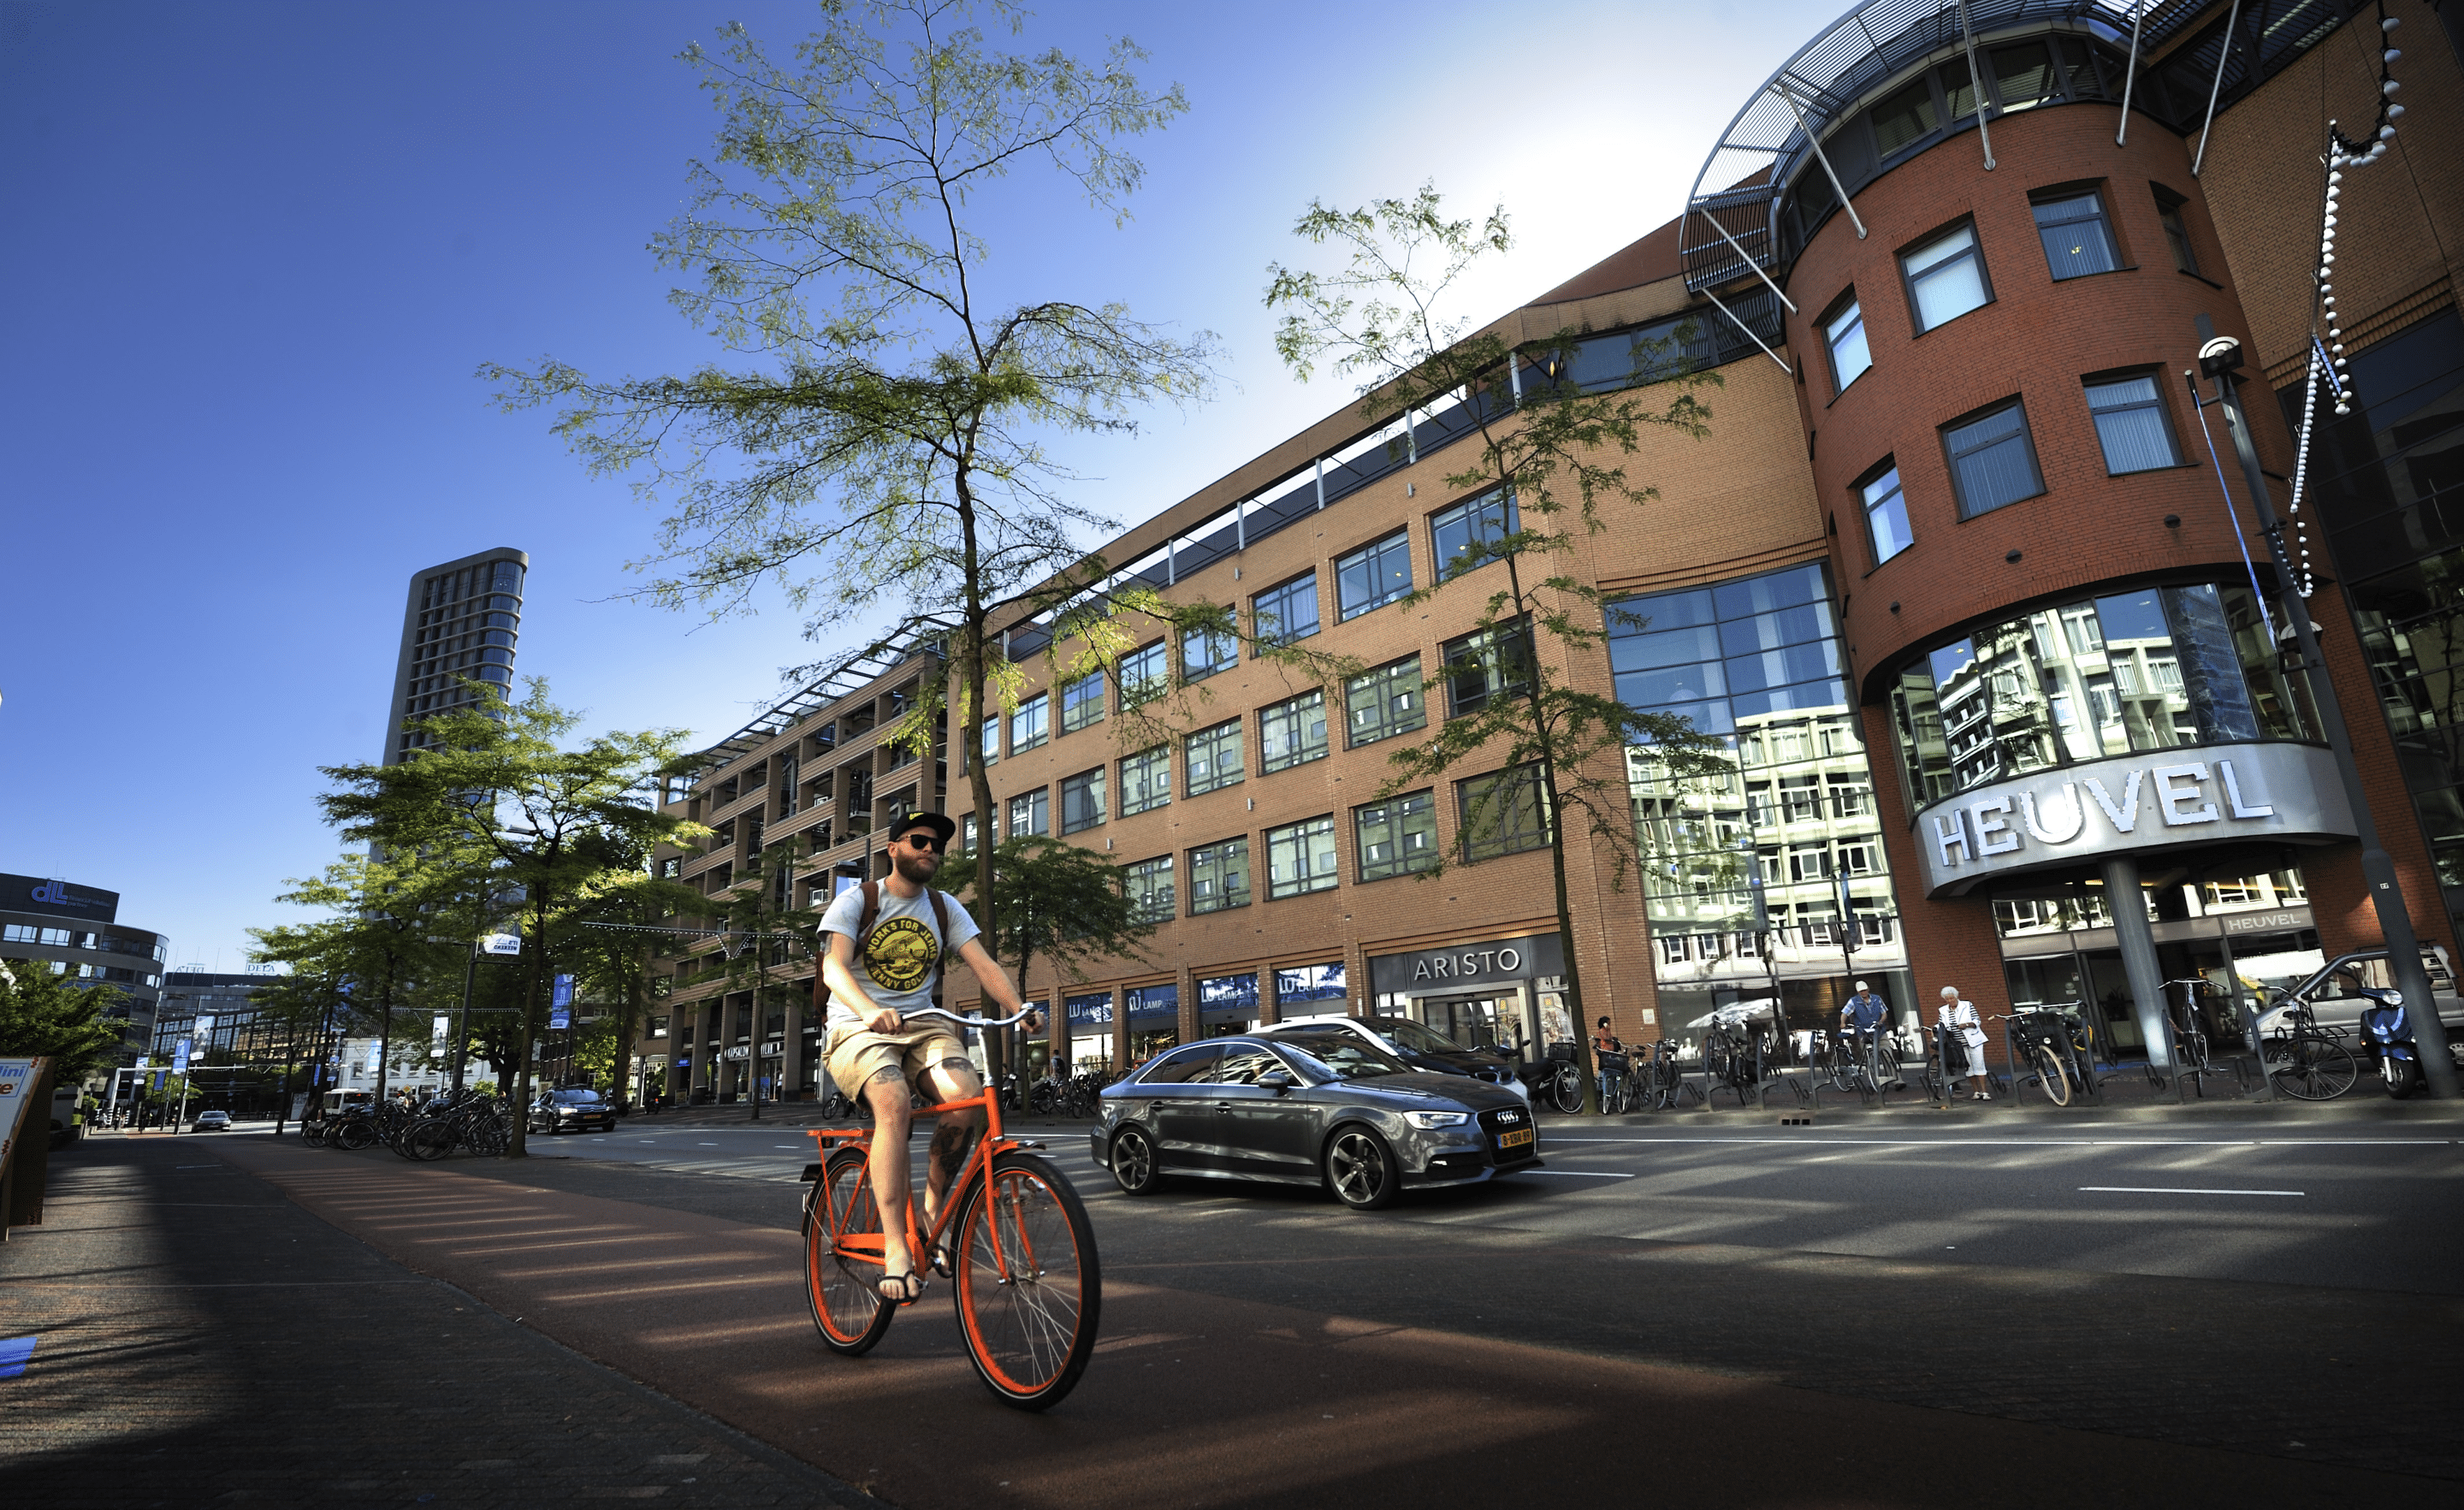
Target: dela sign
x: 2077, y: 813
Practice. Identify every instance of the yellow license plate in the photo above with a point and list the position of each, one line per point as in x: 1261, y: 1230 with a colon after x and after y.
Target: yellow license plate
x: 1509, y: 1140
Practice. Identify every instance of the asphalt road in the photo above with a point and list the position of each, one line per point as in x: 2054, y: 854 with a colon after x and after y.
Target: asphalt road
x: 2379, y: 1207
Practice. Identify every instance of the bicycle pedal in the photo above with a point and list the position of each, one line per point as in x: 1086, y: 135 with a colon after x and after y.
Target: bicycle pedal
x: 1796, y: 1122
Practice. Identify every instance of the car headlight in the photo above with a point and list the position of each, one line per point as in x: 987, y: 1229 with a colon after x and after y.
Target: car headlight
x: 1425, y: 1120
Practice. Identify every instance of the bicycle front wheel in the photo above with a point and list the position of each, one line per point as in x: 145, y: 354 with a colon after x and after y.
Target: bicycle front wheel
x: 1028, y: 1289
x: 2315, y: 1070
x: 2051, y: 1076
x: 843, y: 1256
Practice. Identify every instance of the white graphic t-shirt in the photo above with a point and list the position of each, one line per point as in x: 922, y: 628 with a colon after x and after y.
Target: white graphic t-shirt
x: 901, y: 962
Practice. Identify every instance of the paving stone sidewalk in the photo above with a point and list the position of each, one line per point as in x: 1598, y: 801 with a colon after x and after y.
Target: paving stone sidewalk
x: 205, y: 1341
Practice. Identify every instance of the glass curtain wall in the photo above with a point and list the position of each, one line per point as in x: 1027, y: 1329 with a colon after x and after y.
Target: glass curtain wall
x: 2149, y: 668
x: 1746, y: 868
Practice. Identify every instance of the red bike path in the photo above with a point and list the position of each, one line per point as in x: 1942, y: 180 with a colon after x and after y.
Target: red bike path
x: 1199, y: 1400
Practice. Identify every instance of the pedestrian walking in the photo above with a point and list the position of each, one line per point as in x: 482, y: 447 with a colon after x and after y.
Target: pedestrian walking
x: 1959, y: 1015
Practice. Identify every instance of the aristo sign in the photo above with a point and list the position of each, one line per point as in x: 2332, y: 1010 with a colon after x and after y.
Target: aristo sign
x: 2071, y: 815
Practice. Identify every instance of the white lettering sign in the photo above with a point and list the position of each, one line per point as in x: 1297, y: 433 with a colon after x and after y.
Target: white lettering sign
x: 2277, y: 793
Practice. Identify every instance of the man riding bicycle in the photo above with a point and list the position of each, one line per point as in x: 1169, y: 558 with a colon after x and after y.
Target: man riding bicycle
x: 1863, y: 1017
x: 903, y: 931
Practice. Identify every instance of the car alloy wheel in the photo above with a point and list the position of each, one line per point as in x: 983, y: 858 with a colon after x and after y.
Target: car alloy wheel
x: 1360, y: 1170
x: 1133, y: 1163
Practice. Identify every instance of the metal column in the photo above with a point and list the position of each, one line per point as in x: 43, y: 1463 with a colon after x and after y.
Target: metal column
x: 2128, y: 904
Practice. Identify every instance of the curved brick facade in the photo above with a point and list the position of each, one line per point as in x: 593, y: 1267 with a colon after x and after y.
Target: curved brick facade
x: 2034, y: 340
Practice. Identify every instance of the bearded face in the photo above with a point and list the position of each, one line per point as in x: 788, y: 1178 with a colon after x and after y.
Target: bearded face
x: 915, y: 867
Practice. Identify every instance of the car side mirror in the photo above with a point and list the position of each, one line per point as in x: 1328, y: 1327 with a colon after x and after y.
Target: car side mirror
x: 1278, y: 1081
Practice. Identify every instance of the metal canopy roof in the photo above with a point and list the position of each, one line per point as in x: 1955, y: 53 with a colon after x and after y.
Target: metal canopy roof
x: 849, y: 677
x: 1829, y: 79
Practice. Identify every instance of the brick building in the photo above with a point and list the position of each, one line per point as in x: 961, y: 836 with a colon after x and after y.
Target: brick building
x: 1987, y: 636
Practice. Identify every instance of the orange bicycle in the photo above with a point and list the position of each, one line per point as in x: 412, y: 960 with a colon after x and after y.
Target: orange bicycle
x: 1012, y: 1239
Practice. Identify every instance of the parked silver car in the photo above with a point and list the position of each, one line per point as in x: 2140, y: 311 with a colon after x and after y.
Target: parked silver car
x: 1343, y: 1112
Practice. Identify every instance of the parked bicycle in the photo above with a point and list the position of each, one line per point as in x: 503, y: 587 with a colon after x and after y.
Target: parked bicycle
x: 2048, y: 1045
x: 2305, y: 1060
x: 1011, y: 1235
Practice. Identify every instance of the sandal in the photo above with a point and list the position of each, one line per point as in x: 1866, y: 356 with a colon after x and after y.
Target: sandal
x: 1982, y: 1096
x: 911, y: 1287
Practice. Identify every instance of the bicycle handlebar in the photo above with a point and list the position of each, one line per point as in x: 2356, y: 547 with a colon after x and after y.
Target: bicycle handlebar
x: 1024, y: 1013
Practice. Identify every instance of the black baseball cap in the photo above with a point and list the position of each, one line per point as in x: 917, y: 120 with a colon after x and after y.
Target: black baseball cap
x: 940, y: 823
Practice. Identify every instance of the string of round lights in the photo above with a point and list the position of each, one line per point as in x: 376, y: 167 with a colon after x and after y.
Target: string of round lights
x: 2328, y: 359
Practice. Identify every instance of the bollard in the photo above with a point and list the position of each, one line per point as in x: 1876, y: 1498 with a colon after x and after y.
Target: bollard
x: 2257, y: 1050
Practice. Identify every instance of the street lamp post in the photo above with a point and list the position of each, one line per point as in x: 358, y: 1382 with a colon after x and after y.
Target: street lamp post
x: 2220, y: 357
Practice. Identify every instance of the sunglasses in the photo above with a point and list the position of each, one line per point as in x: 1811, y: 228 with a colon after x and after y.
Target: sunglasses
x: 926, y: 842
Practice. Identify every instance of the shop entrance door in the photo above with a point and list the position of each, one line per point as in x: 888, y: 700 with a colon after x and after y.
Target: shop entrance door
x: 1478, y: 1023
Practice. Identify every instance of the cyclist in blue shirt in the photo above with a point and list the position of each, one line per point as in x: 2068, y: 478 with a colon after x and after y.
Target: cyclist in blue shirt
x: 1864, y: 1016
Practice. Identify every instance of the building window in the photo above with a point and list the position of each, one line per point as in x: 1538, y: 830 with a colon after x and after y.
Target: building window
x: 2078, y: 242
x: 1886, y: 515
x: 967, y: 837
x: 1031, y: 813
x: 1991, y: 462
x: 1399, y: 836
x: 1146, y: 780
x: 988, y: 740
x: 1945, y: 278
x: 1213, y: 756
x: 1906, y: 117
x: 1142, y: 676
x: 1843, y: 335
x: 1218, y: 876
x: 1503, y: 813
x: 1373, y: 577
x: 1481, y: 665
x: 2131, y: 424
x: 1300, y: 858
x: 1287, y: 612
x: 1031, y: 725
x: 1292, y: 732
x: 1082, y: 801
x: 1384, y: 703
x: 1311, y: 983
x: 1082, y: 702
x: 1203, y: 652
x: 1481, y: 521
x: 2177, y: 230
x: 1150, y: 890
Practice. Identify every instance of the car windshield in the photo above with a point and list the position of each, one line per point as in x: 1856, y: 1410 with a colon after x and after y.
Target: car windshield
x: 1348, y: 1056
x: 1412, y: 1036
x: 574, y: 1096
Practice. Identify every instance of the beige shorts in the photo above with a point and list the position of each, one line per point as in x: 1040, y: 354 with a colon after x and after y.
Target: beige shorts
x: 857, y: 1053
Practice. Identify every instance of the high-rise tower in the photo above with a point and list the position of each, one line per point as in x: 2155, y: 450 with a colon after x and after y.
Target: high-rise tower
x: 460, y: 620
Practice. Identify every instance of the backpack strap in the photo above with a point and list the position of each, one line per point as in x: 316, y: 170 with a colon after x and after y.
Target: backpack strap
x: 871, y: 910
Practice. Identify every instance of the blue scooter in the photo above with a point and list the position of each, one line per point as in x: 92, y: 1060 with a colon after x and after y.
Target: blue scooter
x: 2389, y: 1033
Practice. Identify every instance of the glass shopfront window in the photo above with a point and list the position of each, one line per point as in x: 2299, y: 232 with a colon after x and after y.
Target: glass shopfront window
x: 2149, y: 668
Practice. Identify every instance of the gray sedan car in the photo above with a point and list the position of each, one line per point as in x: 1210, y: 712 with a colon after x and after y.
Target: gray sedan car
x: 1346, y: 1115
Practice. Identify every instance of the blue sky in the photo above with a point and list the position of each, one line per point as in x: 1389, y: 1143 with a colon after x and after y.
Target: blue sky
x: 257, y: 251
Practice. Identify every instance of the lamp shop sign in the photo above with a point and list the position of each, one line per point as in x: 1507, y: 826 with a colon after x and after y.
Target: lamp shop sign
x: 2071, y: 815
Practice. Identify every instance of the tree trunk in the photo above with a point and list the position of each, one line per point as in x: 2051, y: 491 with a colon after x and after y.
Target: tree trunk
x: 627, y: 1021
x: 534, y: 1023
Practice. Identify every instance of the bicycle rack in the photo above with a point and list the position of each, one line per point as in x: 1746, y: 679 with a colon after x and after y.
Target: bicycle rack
x: 2249, y: 1014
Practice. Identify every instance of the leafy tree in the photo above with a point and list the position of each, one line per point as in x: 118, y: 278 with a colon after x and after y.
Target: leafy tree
x: 45, y: 1012
x: 614, y: 938
x: 500, y: 783
x: 308, y: 997
x: 881, y: 451
x: 1054, y: 902
x: 384, y: 908
x: 1550, y: 455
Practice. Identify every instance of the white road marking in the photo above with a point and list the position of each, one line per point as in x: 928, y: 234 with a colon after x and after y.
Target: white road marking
x: 2167, y: 1190
x: 1574, y: 1175
x: 2045, y: 1142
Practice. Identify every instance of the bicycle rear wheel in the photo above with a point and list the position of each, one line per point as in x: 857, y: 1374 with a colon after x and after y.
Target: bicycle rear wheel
x: 1029, y: 1291
x: 2315, y: 1070
x: 428, y: 1140
x: 2051, y: 1077
x: 843, y: 1286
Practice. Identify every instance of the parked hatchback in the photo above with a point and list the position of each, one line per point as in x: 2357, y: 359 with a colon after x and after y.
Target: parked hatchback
x: 212, y: 1122
x: 1416, y: 1044
x: 1341, y: 1111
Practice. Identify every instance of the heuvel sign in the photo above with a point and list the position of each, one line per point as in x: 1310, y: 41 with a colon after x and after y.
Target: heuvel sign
x: 2161, y: 799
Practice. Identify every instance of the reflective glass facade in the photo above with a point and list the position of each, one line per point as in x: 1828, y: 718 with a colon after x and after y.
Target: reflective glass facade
x: 1774, y: 839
